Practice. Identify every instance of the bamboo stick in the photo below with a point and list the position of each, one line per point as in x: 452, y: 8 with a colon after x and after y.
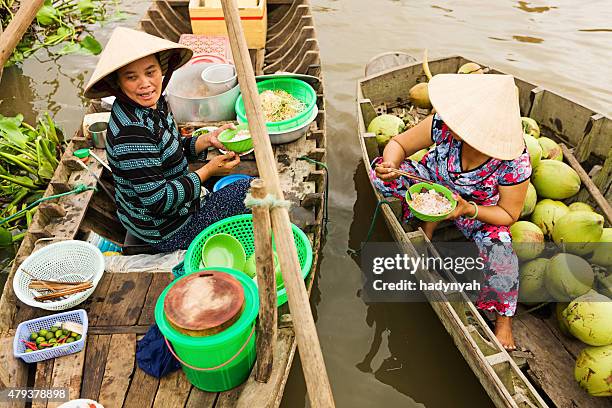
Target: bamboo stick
x: 66, y: 292
x: 266, y: 283
x: 315, y: 374
x: 17, y: 27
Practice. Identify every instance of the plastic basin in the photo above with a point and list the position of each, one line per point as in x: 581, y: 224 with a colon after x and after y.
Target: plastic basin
x: 227, y: 180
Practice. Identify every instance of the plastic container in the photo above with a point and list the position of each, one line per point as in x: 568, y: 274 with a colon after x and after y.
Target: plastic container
x: 298, y: 89
x: 220, y: 78
x: 223, y: 250
x: 239, y: 146
x: 205, y: 354
x: 66, y: 261
x: 241, y: 228
x: 433, y: 186
x: 26, y: 328
x: 227, y: 180
x: 103, y: 244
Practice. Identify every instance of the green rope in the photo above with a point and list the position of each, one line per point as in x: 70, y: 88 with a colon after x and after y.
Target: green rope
x: 372, y: 225
x: 80, y: 188
x: 326, y: 194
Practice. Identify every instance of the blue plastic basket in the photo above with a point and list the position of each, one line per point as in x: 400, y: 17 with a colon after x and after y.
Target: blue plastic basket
x: 26, y: 328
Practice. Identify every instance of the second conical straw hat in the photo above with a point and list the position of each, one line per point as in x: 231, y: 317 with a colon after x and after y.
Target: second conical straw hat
x: 126, y: 46
x: 482, y: 109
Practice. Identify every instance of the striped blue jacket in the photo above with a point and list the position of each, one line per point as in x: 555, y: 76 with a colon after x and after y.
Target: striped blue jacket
x: 155, y: 192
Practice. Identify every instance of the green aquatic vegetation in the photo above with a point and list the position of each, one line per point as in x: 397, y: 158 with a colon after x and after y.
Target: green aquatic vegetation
x: 61, y: 22
x: 29, y: 156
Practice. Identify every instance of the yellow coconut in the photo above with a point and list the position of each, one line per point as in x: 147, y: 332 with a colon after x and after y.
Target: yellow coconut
x: 580, y: 206
x: 555, y: 179
x: 419, y: 96
x: 550, y: 149
x: 593, y: 370
x: 470, y: 68
x: 588, y: 318
x: 530, y: 201
x: 602, y: 250
x: 546, y: 213
x: 527, y: 240
x: 577, y: 230
x: 530, y: 127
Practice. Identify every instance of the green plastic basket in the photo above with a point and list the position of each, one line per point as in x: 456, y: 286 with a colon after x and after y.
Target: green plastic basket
x: 430, y: 186
x: 241, y: 228
x: 238, y: 147
x: 298, y: 89
x: 233, y: 348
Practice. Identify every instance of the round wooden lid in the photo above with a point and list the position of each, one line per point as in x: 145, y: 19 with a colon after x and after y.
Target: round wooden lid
x: 204, y: 303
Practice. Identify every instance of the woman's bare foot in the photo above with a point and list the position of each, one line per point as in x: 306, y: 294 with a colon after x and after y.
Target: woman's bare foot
x: 503, y: 332
x: 429, y: 228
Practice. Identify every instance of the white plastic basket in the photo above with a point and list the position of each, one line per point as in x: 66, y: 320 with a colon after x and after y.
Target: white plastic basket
x: 35, y: 325
x: 67, y: 261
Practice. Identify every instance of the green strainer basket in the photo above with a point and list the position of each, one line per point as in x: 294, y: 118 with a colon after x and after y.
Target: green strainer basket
x: 298, y: 89
x: 241, y: 228
x: 417, y: 188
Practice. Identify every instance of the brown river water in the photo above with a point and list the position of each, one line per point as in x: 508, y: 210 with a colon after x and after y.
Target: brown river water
x: 385, y: 354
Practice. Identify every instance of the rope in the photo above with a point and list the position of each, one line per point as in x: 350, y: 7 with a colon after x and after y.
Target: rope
x: 80, y: 188
x: 269, y: 201
x: 371, y: 229
x: 326, y: 193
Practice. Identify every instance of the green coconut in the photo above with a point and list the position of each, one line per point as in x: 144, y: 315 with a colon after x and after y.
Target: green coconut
x: 576, y: 230
x: 419, y: 96
x: 418, y: 155
x: 580, y: 206
x: 559, y: 309
x: 530, y: 127
x: 604, y: 283
x: 534, y: 149
x: 531, y: 282
x: 470, y: 68
x: 602, y: 250
x: 589, y: 319
x: 568, y: 276
x: 527, y: 240
x: 550, y: 149
x: 593, y: 370
x: 530, y: 201
x: 385, y: 127
x: 555, y: 179
x: 546, y: 213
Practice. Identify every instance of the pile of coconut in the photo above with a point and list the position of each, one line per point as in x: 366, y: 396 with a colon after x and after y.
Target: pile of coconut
x: 565, y: 251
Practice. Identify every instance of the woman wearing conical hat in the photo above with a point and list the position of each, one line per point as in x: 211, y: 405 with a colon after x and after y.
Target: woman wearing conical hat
x: 479, y: 153
x: 159, y: 200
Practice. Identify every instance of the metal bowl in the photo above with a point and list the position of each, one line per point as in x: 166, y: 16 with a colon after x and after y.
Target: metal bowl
x: 291, y: 135
x: 187, y: 106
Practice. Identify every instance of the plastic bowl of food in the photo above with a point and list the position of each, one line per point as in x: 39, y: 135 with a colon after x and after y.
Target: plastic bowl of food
x: 203, y: 130
x: 237, y: 140
x: 433, y: 204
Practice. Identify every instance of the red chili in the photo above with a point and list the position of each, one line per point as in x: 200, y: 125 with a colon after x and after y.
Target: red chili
x: 45, y: 345
x: 30, y: 345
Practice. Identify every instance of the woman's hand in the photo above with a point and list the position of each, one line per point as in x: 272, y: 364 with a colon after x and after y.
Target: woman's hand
x: 223, y: 164
x: 385, y: 172
x: 463, y: 208
x: 211, y: 139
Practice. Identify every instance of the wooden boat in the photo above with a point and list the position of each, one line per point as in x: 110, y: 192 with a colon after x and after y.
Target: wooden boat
x: 121, y: 308
x: 542, y: 374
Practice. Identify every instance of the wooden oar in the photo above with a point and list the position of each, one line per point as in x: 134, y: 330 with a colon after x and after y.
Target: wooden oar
x: 315, y: 374
x: 17, y: 28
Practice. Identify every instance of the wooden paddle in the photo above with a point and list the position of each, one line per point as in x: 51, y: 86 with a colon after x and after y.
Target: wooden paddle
x: 315, y: 374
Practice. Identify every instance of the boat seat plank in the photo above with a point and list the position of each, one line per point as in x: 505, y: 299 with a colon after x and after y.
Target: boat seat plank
x: 159, y: 282
x: 43, y: 379
x: 68, y: 373
x: 173, y: 391
x: 118, y: 370
x: 142, y: 390
x: 95, y: 304
x: 551, y: 368
x: 201, y: 399
x: 125, y: 298
x: 95, y: 361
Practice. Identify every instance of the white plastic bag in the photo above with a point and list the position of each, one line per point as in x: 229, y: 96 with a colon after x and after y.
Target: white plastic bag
x: 143, y: 262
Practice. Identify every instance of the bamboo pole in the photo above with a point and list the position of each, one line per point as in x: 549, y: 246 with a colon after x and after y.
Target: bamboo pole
x: 315, y: 374
x: 17, y: 28
x: 266, y: 284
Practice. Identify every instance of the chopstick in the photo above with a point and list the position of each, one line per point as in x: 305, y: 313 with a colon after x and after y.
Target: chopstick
x: 411, y: 176
x: 61, y: 293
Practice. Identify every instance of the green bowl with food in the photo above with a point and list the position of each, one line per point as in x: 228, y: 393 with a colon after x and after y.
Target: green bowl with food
x: 237, y: 140
x: 430, y: 201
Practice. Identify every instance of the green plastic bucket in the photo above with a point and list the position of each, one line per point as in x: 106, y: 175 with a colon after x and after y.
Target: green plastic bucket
x: 224, y: 360
x: 298, y: 89
x: 241, y: 228
x: 430, y: 186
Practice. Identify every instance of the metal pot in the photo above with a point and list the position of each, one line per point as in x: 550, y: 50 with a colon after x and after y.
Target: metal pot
x: 294, y: 134
x: 182, y: 95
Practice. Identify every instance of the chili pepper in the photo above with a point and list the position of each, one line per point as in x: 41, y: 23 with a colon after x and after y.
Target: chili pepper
x: 30, y: 345
x: 45, y: 345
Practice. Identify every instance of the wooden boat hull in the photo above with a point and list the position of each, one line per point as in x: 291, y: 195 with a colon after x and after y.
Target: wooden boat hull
x: 543, y: 375
x: 121, y: 309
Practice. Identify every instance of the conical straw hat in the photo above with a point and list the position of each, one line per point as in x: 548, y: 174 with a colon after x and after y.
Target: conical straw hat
x: 126, y: 46
x: 482, y: 109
